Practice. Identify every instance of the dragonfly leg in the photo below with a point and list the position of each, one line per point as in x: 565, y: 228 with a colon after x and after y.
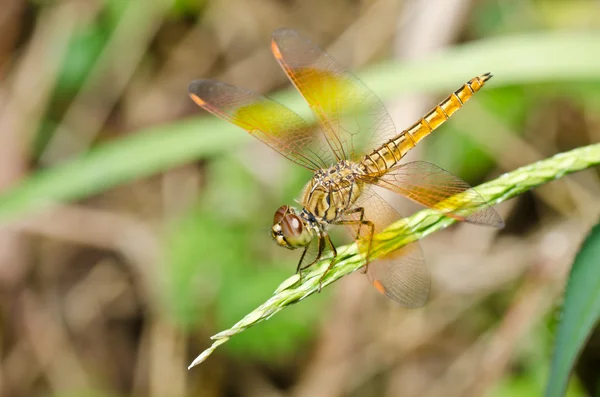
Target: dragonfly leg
x: 300, y: 268
x: 360, y: 222
x: 360, y: 210
x: 301, y: 259
x: 328, y: 239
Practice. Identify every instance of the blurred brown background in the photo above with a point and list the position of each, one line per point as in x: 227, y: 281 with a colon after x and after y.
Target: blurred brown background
x: 115, y: 293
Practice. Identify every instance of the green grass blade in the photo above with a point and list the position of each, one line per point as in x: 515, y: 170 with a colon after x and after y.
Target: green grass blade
x: 127, y: 159
x: 408, y: 230
x: 581, y: 312
x: 532, y: 59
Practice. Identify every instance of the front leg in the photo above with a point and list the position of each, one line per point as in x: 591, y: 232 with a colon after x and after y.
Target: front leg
x: 360, y: 222
x: 300, y: 268
x: 328, y: 239
x: 361, y: 210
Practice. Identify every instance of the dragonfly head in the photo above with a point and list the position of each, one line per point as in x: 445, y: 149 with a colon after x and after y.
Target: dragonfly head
x: 289, y: 229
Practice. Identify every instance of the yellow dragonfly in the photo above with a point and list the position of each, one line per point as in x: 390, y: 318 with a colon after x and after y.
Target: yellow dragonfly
x: 355, y: 148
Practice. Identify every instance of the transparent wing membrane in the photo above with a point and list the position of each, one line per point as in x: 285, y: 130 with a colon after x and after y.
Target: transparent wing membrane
x: 401, y: 275
x: 433, y: 187
x: 269, y: 121
x: 351, y: 116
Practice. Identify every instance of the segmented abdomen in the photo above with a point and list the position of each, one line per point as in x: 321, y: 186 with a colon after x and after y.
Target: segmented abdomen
x: 388, y: 154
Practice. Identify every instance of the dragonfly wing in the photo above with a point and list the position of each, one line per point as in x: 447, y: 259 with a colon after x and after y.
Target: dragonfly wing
x: 436, y: 188
x: 351, y: 116
x: 400, y: 275
x: 269, y: 121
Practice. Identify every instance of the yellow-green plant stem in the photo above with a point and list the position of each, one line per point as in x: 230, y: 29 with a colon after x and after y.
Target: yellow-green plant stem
x: 408, y: 230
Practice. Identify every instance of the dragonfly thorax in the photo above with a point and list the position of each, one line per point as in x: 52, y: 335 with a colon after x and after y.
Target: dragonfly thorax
x: 332, y: 191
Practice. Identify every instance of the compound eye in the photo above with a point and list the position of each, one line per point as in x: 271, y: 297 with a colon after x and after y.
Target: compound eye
x: 292, y: 226
x: 280, y: 213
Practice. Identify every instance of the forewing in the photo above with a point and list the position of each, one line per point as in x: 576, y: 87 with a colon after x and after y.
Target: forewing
x: 351, y: 116
x: 436, y: 188
x: 402, y: 274
x: 269, y: 121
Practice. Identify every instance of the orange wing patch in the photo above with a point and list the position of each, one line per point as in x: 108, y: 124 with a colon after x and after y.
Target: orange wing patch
x: 197, y: 99
x: 275, y: 50
x: 379, y: 287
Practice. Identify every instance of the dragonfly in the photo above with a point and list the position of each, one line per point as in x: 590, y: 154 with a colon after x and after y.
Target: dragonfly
x: 355, y: 148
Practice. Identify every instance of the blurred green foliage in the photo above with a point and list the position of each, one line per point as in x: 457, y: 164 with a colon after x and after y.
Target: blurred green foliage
x: 84, y: 49
x: 580, y: 314
x: 218, y: 268
x: 530, y: 377
x: 188, y: 8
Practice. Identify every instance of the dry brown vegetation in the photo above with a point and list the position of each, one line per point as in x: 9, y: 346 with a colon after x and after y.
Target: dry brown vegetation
x: 114, y: 294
